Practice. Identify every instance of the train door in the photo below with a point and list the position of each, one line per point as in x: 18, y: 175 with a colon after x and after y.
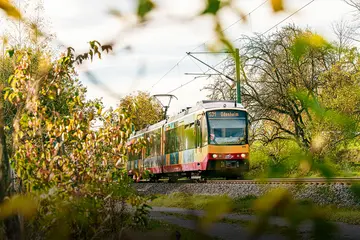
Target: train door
x: 199, y: 128
x: 162, y: 149
x: 198, y: 133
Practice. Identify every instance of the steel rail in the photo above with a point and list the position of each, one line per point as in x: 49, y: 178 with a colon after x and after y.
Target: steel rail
x: 349, y: 180
x: 318, y: 181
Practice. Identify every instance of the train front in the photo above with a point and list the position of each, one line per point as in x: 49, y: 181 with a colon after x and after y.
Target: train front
x: 228, y: 147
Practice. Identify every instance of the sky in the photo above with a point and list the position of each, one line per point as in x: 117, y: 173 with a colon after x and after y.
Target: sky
x: 157, y: 47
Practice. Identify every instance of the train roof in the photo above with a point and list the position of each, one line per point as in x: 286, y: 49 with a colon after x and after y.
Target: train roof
x: 204, y: 104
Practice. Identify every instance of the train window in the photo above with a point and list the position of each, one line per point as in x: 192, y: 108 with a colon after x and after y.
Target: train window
x: 189, y: 136
x: 171, y: 141
x: 180, y: 138
x: 157, y: 143
x: 227, y: 127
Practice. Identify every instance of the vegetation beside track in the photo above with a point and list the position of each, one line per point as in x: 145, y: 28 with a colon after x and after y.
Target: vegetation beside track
x: 245, y: 206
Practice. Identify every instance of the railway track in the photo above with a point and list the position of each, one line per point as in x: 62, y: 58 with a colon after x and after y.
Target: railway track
x: 291, y: 181
x: 318, y: 181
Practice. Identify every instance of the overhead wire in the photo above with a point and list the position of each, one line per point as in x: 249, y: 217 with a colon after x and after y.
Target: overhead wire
x: 277, y: 24
x: 237, y: 21
x: 288, y: 17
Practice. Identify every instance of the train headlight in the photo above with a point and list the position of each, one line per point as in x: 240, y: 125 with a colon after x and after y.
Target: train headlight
x: 243, y: 155
x: 215, y: 155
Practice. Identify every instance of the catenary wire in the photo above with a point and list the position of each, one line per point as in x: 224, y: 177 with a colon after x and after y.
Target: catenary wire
x: 173, y: 67
x: 277, y: 24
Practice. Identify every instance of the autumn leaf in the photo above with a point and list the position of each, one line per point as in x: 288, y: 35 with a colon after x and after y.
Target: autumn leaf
x: 9, y: 9
x: 277, y: 5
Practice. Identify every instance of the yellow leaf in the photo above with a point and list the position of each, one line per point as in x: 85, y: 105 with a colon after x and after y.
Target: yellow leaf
x: 9, y: 9
x: 277, y: 5
x: 215, y: 211
x: 273, y: 199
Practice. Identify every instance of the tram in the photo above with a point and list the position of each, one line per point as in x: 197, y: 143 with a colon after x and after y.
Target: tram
x: 205, y: 141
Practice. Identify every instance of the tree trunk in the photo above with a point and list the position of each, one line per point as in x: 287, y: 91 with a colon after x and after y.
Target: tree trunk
x: 11, y: 224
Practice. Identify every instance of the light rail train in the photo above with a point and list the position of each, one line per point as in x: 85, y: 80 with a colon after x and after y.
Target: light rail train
x: 204, y: 141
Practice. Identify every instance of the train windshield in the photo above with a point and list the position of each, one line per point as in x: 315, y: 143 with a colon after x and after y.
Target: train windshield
x: 227, y: 127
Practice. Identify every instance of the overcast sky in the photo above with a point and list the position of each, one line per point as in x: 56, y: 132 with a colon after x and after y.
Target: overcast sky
x: 157, y: 47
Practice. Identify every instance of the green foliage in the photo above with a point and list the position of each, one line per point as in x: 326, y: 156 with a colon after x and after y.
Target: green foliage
x: 144, y: 8
x: 54, y: 147
x: 186, y: 200
x: 213, y: 6
x: 143, y: 110
x: 63, y: 163
x: 94, y: 212
x: 306, y: 42
x: 355, y: 188
x: 275, y: 159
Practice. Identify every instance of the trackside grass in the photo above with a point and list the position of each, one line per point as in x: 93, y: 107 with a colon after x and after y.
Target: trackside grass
x: 244, y: 205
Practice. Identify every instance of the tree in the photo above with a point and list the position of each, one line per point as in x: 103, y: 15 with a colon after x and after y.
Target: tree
x: 143, y: 109
x: 55, y: 147
x: 277, y: 68
x: 345, y: 32
x: 271, y: 74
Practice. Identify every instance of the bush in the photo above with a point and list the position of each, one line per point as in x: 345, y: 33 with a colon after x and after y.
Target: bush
x: 274, y: 159
x: 95, y: 212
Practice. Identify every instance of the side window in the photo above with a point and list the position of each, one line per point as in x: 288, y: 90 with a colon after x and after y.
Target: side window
x: 175, y: 140
x: 157, y: 142
x: 180, y: 138
x: 171, y: 141
x: 189, y: 136
x: 168, y: 141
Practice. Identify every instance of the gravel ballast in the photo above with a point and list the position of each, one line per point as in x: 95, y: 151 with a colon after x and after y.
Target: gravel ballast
x: 322, y: 194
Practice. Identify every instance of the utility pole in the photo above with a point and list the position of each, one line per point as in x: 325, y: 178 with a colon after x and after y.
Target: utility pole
x: 237, y: 68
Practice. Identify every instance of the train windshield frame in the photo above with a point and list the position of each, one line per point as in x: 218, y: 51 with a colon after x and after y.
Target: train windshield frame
x: 227, y: 127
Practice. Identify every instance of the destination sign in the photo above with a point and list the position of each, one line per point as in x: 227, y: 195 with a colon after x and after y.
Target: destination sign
x: 226, y: 114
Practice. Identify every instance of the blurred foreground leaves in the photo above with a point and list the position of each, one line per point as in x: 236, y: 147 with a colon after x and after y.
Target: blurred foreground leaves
x: 10, y: 9
x: 22, y: 205
x: 144, y: 8
x: 277, y: 5
x: 214, y: 211
x: 280, y: 203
